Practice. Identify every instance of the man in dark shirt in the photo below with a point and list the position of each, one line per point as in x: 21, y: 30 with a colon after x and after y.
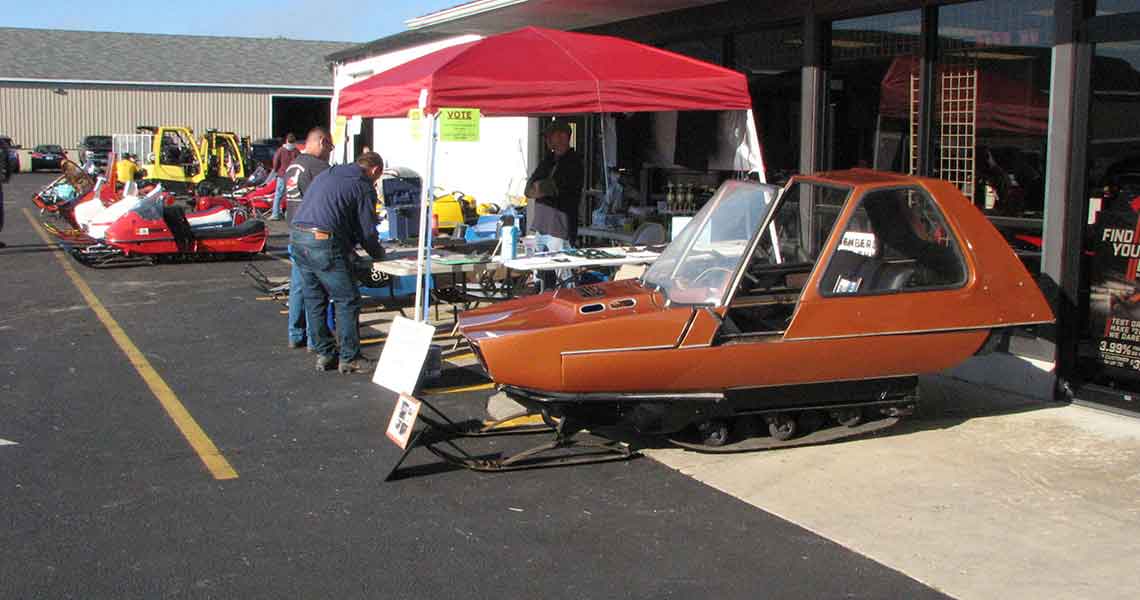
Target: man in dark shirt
x: 338, y: 213
x: 555, y: 187
x: 310, y: 163
x: 281, y: 161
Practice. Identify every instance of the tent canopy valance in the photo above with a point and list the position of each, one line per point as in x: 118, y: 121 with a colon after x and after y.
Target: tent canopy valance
x: 535, y: 71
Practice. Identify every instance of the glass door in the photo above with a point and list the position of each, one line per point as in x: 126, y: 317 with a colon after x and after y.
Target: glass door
x: 1109, y: 347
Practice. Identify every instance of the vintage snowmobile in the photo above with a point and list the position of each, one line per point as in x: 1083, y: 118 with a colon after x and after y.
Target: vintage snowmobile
x: 73, y: 185
x: 155, y: 227
x: 813, y: 308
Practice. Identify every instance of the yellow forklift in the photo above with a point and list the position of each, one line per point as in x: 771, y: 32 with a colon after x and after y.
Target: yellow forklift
x: 211, y: 165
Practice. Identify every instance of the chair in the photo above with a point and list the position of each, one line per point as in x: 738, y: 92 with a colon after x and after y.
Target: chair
x: 649, y: 234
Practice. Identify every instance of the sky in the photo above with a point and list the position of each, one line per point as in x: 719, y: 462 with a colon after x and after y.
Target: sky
x: 329, y: 20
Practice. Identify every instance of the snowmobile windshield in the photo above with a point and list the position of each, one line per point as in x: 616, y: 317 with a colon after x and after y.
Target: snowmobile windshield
x: 149, y: 208
x: 703, y: 258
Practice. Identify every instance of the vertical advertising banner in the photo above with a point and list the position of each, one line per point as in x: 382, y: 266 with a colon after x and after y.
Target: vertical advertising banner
x: 1114, y: 300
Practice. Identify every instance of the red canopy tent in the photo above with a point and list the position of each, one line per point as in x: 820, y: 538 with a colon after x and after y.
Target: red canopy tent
x: 535, y: 71
x: 1002, y: 104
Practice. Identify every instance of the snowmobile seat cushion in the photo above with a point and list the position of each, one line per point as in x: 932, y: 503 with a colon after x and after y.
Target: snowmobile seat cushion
x: 894, y: 276
x: 250, y: 227
x: 849, y: 273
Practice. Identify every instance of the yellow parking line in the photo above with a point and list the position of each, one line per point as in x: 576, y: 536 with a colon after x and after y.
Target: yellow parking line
x: 456, y: 390
x: 460, y: 356
x: 517, y: 422
x: 217, y: 464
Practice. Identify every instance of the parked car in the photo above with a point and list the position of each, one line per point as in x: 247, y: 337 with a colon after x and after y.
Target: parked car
x: 47, y: 156
x: 261, y: 152
x: 95, y: 148
x: 6, y: 145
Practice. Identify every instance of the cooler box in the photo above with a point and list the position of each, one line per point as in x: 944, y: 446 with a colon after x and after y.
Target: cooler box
x: 402, y: 223
x: 401, y: 205
x: 486, y: 228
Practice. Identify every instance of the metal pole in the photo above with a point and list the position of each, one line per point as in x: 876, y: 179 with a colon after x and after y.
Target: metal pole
x: 423, y: 253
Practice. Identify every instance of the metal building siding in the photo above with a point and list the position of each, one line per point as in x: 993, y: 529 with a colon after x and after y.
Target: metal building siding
x: 36, y: 114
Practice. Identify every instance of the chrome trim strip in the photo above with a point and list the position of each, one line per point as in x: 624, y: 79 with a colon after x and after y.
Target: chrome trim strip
x: 915, y: 331
x: 612, y: 396
x: 607, y: 350
x: 686, y: 328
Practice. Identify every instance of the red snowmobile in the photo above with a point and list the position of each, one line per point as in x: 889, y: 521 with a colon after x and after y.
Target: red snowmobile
x: 157, y: 230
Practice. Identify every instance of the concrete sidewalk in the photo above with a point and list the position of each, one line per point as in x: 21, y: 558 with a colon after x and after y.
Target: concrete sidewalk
x: 992, y: 492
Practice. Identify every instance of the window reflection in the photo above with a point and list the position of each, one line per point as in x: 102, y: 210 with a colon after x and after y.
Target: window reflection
x: 771, y: 60
x: 992, y: 112
x: 873, y: 99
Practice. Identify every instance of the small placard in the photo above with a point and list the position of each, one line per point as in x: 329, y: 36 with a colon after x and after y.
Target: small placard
x: 403, y: 357
x: 403, y: 420
x: 859, y: 243
x: 459, y: 125
x: 355, y: 124
x: 416, y: 123
x: 338, y: 129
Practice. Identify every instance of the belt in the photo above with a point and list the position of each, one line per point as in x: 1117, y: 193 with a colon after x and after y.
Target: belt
x: 318, y: 234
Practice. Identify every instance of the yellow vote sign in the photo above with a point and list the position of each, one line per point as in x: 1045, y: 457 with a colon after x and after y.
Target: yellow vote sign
x: 459, y: 124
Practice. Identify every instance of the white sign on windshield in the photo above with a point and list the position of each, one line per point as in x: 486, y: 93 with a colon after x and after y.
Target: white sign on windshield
x: 859, y: 243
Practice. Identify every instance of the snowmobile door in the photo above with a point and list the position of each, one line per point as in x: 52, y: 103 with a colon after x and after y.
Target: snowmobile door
x: 913, y: 281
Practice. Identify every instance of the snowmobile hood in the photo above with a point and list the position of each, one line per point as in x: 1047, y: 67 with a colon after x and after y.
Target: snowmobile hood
x: 544, y: 329
x: 562, y: 307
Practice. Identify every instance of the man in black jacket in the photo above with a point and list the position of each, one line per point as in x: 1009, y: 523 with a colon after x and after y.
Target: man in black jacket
x: 555, y: 187
x: 312, y: 161
x: 338, y: 213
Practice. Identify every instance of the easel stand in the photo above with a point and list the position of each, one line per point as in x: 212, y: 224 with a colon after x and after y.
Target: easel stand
x: 438, y: 434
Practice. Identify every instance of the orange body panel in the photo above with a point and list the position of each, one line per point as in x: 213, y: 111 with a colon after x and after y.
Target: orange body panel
x: 547, y: 343
x: 767, y: 363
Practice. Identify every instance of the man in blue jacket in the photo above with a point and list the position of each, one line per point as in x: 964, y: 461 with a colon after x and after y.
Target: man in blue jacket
x: 338, y: 213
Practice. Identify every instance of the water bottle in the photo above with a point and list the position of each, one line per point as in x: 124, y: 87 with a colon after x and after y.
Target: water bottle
x: 508, y: 238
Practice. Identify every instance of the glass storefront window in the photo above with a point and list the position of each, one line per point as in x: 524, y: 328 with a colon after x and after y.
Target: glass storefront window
x: 873, y: 100
x: 1109, y: 353
x: 707, y: 49
x: 771, y: 60
x: 1115, y: 7
x: 992, y: 112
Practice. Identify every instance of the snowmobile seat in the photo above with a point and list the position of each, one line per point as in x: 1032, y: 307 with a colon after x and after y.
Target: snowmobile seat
x: 249, y: 227
x: 850, y: 273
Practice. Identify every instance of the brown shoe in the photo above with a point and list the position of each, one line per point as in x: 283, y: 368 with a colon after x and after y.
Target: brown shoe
x: 326, y: 363
x: 357, y: 365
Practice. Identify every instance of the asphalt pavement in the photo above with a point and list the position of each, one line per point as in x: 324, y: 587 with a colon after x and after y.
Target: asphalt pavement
x: 105, y: 492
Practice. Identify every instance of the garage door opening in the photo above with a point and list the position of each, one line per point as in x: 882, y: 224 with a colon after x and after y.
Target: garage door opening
x: 297, y: 115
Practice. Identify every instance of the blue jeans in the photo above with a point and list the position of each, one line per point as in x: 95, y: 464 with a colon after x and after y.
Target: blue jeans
x: 326, y: 273
x: 278, y: 195
x: 297, y: 320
